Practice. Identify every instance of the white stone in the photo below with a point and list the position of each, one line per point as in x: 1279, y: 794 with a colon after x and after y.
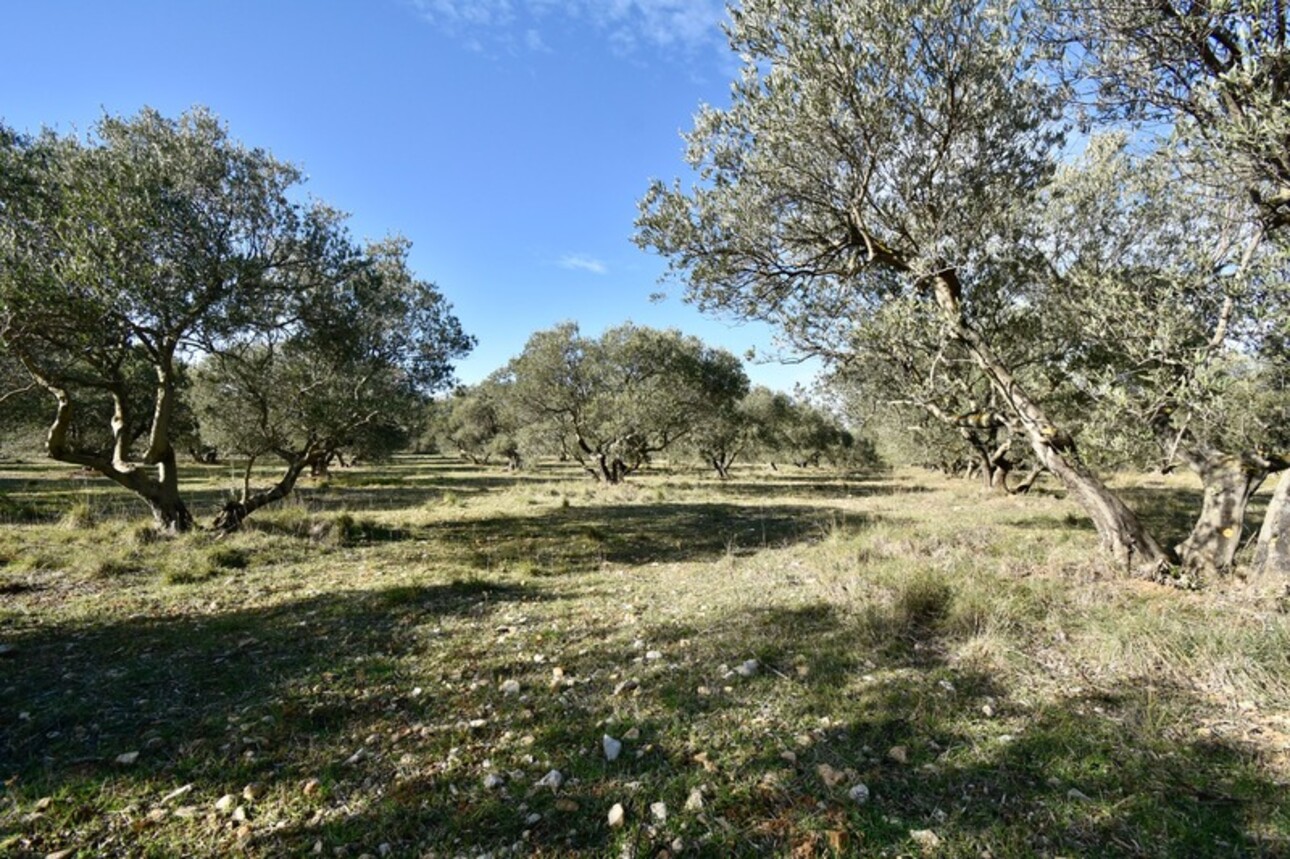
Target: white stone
x: 859, y: 793
x: 749, y: 668
x: 925, y: 839
x: 613, y: 748
x: 616, y: 815
x: 177, y: 793
x: 553, y: 780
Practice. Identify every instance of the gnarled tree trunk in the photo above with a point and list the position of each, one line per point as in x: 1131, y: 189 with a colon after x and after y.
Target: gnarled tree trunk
x: 1229, y: 481
x: 168, y: 509
x: 1027, y: 482
x: 1122, y: 534
x: 1272, y: 555
x: 233, y: 513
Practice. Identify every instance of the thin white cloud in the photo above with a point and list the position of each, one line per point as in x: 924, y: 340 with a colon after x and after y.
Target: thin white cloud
x: 534, y: 42
x: 583, y: 262
x: 628, y: 25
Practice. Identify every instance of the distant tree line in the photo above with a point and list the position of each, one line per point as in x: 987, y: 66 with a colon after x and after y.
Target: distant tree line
x: 613, y: 403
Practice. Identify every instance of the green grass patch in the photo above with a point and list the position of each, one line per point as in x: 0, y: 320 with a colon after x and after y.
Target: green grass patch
x: 371, y: 668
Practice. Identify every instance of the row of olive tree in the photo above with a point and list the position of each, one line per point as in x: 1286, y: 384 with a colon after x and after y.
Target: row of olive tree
x: 889, y: 187
x: 613, y: 402
x: 159, y: 273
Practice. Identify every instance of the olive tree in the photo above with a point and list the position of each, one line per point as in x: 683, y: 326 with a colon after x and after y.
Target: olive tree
x: 612, y: 402
x: 360, y: 348
x: 480, y: 422
x: 1163, y: 292
x: 153, y: 242
x: 126, y: 250
x: 1215, y: 71
x: 871, y: 151
x: 1217, y: 74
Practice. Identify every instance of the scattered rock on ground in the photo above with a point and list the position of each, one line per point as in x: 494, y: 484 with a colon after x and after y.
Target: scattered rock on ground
x: 829, y: 775
x: 616, y: 815
x: 927, y: 840
x: 127, y: 758
x: 253, y: 791
x: 626, y: 686
x: 510, y: 687
x: 659, y: 811
x: 492, y: 781
x: 225, y: 803
x: 613, y: 748
x: 695, y: 800
x: 177, y: 793
x: 749, y: 668
x: 859, y: 793
x: 899, y: 754
x: 553, y: 780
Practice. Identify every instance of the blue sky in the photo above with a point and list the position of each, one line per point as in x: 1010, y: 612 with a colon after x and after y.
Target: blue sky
x: 508, y: 139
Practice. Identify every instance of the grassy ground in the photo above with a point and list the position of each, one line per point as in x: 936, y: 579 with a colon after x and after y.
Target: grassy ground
x: 391, y: 663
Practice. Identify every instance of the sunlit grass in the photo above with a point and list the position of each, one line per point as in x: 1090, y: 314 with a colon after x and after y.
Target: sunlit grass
x: 766, y: 644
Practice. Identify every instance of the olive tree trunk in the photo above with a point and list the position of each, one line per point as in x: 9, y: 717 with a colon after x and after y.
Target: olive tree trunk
x: 1132, y: 548
x: 160, y: 491
x: 1272, y: 555
x: 1229, y: 481
x: 234, y: 513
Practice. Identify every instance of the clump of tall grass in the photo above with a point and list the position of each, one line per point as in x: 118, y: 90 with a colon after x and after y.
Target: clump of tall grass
x: 79, y: 517
x: 923, y: 601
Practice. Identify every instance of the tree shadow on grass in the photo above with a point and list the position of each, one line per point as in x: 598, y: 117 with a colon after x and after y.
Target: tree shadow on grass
x: 822, y: 486
x: 838, y: 699
x: 1069, y: 522
x: 76, y: 695
x: 584, y: 537
x: 1086, y: 774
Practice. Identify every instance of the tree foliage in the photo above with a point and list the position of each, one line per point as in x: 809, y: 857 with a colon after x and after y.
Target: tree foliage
x: 614, y: 401
x: 154, y: 240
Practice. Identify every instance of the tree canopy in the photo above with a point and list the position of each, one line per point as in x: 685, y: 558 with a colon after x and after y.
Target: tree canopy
x: 155, y: 242
x: 614, y: 401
